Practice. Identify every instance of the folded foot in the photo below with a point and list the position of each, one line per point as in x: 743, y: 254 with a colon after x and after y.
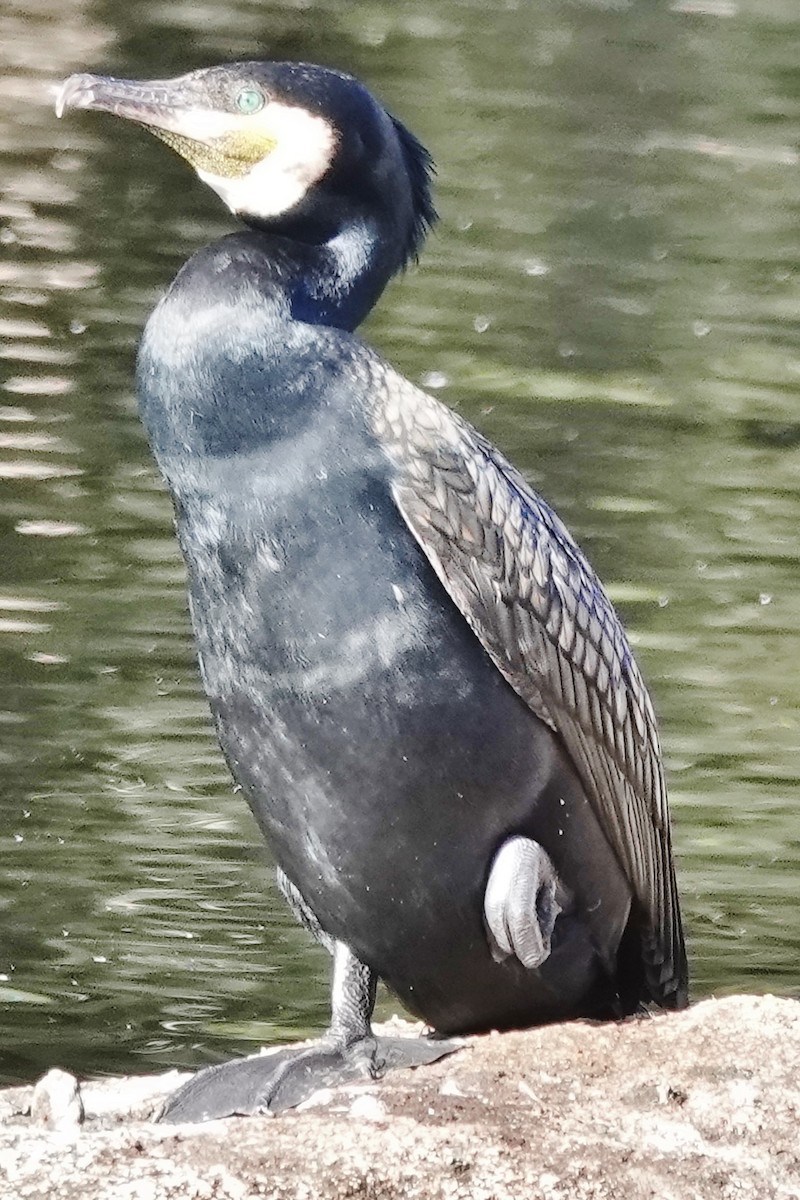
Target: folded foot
x: 524, y: 896
x: 285, y: 1078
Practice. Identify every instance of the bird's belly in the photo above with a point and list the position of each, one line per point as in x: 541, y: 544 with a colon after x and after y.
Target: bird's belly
x: 385, y: 794
x: 387, y: 789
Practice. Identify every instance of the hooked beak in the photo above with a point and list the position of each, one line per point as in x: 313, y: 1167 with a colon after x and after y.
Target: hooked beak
x: 158, y: 104
x: 138, y: 101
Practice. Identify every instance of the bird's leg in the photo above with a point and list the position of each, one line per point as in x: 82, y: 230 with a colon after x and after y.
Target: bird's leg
x: 524, y: 896
x: 352, y: 999
x: 273, y: 1082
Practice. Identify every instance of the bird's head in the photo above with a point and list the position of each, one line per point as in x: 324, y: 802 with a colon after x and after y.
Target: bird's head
x: 288, y: 146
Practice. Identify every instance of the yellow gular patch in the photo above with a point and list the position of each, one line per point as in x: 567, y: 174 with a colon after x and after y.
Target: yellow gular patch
x: 229, y: 156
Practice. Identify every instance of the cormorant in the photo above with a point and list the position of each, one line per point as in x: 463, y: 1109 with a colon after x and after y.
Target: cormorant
x: 414, y: 673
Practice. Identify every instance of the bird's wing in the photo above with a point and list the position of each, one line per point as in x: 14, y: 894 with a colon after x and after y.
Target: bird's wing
x: 541, y: 614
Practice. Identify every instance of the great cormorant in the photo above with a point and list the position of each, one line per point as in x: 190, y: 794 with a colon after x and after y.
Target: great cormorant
x: 415, y: 675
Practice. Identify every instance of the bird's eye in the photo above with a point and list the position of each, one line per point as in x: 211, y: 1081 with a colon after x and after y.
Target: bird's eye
x: 250, y: 100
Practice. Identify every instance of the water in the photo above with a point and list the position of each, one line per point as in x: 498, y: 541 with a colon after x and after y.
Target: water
x: 611, y: 295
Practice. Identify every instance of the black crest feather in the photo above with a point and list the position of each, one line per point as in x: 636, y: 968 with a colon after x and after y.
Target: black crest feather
x: 421, y: 169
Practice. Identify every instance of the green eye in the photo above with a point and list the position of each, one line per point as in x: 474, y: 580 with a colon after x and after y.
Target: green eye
x: 250, y: 100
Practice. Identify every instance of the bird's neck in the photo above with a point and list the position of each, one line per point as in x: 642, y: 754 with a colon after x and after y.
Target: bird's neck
x: 333, y: 279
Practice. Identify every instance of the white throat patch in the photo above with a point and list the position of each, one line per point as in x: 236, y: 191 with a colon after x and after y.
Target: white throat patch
x: 304, y: 148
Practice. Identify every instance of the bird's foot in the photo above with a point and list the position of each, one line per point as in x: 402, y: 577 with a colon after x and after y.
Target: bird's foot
x: 524, y: 896
x: 285, y: 1078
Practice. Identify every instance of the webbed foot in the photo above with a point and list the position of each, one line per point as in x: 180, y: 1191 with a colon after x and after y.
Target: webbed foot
x: 285, y: 1078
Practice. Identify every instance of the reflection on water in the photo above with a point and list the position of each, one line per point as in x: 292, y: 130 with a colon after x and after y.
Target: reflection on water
x: 611, y: 295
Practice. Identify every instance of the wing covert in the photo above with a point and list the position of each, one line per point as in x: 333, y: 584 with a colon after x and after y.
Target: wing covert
x: 540, y: 612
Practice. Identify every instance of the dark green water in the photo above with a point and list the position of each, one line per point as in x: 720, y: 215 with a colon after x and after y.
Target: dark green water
x: 612, y: 295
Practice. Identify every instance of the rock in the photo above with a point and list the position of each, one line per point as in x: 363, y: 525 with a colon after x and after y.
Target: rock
x: 368, y: 1107
x: 681, y: 1106
x: 56, y: 1101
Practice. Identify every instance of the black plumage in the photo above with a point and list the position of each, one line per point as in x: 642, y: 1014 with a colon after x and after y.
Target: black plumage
x: 414, y: 673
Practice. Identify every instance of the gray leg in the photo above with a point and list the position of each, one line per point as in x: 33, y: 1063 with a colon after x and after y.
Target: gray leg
x: 523, y: 898
x: 354, y: 984
x: 352, y: 998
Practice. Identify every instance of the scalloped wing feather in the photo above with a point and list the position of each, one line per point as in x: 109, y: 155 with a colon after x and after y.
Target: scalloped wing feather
x: 539, y: 610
